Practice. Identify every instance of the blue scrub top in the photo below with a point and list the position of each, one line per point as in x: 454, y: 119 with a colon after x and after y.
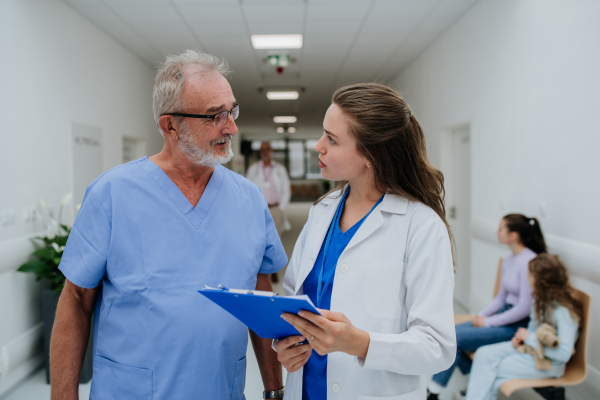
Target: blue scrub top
x: 314, y: 377
x: 156, y: 337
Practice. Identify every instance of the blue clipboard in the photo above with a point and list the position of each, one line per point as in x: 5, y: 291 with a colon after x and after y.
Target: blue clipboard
x: 260, y: 311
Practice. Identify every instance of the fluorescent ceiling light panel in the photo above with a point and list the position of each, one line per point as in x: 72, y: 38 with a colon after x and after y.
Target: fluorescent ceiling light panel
x: 276, y: 41
x: 284, y: 120
x: 282, y: 95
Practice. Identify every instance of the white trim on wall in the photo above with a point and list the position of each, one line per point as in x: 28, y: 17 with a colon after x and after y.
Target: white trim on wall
x: 15, y: 252
x: 582, y: 258
x: 22, y: 348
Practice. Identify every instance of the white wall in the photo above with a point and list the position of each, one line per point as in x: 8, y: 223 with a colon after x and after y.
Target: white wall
x: 56, y: 68
x: 525, y: 75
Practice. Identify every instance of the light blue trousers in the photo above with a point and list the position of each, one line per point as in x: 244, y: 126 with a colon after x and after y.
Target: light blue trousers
x: 496, y: 363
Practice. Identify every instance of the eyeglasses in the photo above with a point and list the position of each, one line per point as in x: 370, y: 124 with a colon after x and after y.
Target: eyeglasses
x: 219, y: 119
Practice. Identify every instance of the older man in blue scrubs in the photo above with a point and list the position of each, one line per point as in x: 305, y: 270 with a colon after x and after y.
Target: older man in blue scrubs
x: 152, y: 232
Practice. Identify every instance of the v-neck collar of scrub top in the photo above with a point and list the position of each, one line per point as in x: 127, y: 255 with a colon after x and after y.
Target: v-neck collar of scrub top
x: 394, y: 204
x: 195, y: 215
x: 325, y: 210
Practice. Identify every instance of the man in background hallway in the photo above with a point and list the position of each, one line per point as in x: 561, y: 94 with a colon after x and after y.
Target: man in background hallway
x: 272, y: 178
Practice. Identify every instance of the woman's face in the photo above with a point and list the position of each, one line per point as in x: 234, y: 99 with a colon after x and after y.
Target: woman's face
x: 338, y: 156
x: 504, y: 235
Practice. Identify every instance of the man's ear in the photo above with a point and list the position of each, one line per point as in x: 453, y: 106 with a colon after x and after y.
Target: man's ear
x: 169, y: 126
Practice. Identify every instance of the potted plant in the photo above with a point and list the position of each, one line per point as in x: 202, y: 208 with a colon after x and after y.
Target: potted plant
x: 44, y: 263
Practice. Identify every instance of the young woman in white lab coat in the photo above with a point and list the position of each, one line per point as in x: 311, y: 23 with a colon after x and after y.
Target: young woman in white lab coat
x: 375, y: 256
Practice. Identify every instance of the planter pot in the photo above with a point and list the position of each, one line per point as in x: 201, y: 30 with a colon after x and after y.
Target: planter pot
x: 49, y: 303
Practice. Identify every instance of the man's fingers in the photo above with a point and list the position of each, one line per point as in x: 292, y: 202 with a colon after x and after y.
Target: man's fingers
x: 291, y: 340
x: 287, y: 342
x: 299, y: 364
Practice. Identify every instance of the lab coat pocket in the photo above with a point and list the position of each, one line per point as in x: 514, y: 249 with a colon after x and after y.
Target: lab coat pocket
x: 414, y: 395
x: 112, y: 380
x: 239, y: 380
x: 382, y: 294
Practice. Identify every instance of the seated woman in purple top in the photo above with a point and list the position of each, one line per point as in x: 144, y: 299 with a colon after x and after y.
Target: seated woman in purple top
x: 509, y: 310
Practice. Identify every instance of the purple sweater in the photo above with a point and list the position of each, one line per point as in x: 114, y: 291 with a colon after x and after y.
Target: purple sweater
x: 514, y: 290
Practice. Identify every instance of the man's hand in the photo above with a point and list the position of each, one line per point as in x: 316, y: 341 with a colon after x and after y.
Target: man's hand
x: 331, y: 332
x: 479, y: 322
x: 70, y: 336
x: 292, y: 354
x: 516, y: 342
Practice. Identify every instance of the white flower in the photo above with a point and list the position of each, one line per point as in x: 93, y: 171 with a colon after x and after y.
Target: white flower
x: 43, y: 204
x: 66, y: 199
x: 56, y: 248
x: 51, y: 229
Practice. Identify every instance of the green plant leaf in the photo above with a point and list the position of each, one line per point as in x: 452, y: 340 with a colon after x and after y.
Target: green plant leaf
x: 46, y: 253
x: 37, y: 267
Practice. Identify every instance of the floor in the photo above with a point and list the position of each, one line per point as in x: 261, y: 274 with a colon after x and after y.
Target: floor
x: 35, y: 388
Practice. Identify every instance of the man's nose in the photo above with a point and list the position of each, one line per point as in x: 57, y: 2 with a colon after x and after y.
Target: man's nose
x: 230, y: 126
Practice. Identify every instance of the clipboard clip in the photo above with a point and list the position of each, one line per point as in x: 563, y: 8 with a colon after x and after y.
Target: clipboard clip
x: 243, y: 291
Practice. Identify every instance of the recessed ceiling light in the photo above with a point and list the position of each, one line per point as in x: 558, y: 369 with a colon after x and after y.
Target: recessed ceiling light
x: 282, y: 95
x: 291, y: 129
x: 276, y: 41
x: 280, y: 130
x: 284, y: 120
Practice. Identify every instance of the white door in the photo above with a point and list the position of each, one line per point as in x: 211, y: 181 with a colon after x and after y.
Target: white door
x: 87, y: 159
x: 460, y: 211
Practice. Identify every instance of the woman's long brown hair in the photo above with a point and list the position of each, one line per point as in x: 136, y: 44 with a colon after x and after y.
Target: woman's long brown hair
x: 552, y: 287
x: 389, y: 136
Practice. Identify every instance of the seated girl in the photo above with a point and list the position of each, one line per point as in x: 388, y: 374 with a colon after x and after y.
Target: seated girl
x: 509, y: 310
x: 554, y: 304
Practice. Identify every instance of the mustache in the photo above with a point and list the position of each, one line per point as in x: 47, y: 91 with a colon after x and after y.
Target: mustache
x: 227, y: 138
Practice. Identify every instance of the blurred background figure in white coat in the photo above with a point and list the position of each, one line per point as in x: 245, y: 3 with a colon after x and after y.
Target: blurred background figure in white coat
x: 272, y: 178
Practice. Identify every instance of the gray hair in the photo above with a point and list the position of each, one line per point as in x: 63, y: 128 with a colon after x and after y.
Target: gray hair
x: 170, y: 79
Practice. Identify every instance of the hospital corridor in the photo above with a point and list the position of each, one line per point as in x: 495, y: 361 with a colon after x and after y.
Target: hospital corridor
x: 299, y: 199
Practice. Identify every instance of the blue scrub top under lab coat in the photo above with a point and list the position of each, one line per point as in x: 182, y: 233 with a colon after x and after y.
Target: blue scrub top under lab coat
x: 156, y: 337
x: 314, y: 377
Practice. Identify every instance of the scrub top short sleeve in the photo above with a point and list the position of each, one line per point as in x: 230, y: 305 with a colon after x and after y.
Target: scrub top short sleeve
x: 84, y: 259
x: 273, y: 257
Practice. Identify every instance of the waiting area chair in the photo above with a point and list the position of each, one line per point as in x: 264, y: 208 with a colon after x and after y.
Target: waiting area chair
x: 576, y: 368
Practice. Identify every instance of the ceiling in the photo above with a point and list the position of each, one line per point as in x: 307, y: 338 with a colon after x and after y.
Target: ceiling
x: 345, y: 41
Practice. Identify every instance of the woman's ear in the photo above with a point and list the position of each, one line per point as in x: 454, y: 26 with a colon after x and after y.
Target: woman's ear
x: 514, y: 237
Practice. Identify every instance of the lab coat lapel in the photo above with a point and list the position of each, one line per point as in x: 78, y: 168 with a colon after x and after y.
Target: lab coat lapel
x: 391, y: 203
x: 324, y: 213
x: 371, y: 224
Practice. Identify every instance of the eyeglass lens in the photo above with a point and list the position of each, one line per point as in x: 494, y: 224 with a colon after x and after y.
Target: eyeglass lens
x: 221, y: 118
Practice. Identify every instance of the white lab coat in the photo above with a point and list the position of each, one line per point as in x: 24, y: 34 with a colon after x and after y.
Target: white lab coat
x: 282, y: 184
x: 395, y: 280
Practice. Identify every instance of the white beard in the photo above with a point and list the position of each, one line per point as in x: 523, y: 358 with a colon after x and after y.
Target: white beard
x: 200, y: 156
